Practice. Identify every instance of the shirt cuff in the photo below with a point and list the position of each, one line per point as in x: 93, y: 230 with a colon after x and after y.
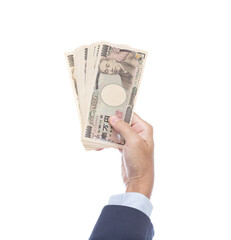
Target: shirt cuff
x: 134, y: 200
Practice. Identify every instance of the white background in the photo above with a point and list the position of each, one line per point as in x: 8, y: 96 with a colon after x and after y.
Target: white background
x: 50, y: 188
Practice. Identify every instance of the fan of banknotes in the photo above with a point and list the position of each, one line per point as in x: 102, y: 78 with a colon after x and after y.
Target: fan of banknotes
x: 105, y: 79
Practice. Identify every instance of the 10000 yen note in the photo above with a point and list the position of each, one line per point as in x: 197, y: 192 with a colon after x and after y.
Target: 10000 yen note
x: 71, y: 67
x: 113, y: 92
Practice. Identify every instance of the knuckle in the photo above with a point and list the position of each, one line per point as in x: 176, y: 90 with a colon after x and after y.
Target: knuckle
x: 151, y: 145
x: 121, y: 123
x: 149, y: 127
x: 136, y: 141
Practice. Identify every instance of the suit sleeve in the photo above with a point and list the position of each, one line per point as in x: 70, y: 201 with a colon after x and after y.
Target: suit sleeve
x: 122, y: 223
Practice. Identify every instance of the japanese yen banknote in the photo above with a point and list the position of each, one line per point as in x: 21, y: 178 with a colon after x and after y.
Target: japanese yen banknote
x: 105, y: 79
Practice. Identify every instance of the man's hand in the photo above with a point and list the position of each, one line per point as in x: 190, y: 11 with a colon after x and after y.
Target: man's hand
x: 137, y: 154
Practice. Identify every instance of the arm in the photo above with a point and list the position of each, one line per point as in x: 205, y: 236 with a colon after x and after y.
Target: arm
x: 127, y: 215
x: 137, y: 154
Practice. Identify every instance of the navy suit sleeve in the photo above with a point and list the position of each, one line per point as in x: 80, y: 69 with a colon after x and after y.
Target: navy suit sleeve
x: 122, y: 223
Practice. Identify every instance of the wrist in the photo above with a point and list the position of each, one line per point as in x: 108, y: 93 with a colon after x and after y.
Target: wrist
x: 141, y: 186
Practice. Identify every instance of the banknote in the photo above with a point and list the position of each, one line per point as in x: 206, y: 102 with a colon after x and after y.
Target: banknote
x: 105, y: 79
x: 113, y: 91
x: 71, y: 67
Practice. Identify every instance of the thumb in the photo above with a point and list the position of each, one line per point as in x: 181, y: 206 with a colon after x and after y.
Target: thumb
x: 123, y: 128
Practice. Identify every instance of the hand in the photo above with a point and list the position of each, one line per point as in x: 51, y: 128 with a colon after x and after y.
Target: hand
x: 137, y: 154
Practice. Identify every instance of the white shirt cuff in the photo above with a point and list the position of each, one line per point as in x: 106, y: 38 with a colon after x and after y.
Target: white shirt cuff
x: 134, y: 200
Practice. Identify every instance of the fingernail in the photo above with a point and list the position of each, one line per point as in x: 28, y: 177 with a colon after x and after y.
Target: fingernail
x: 99, y: 149
x: 114, y: 119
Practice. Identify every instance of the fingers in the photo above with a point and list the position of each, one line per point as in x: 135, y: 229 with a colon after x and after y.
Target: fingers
x: 143, y: 128
x: 99, y: 149
x: 137, y: 119
x: 121, y: 150
x: 124, y: 129
x: 139, y: 129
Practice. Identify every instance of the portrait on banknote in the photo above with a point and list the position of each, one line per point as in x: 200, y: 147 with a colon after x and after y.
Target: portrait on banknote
x: 121, y: 62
